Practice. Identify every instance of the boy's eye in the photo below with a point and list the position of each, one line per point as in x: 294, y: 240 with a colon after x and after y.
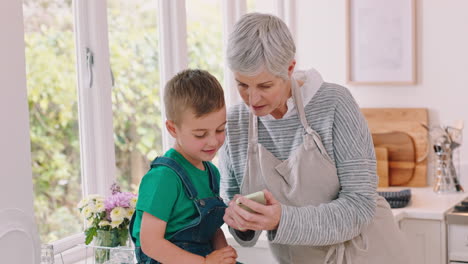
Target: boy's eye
x: 200, y: 136
x: 220, y: 130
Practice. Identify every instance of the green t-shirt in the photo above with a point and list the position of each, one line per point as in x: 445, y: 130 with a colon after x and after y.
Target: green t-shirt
x: 162, y: 194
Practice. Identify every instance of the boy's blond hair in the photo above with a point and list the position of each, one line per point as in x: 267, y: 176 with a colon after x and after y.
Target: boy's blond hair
x: 196, y: 90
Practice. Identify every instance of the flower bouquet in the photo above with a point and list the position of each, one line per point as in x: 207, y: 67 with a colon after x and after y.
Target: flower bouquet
x: 107, y: 220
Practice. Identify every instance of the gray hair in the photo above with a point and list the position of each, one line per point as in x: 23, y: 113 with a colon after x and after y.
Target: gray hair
x: 260, y: 42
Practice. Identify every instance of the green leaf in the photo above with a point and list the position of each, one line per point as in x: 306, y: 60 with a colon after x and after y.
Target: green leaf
x: 90, y: 234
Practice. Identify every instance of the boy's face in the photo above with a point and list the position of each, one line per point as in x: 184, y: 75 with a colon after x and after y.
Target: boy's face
x: 198, y: 139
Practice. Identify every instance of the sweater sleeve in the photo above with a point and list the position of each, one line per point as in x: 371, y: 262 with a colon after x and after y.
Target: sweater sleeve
x: 345, y: 217
x: 229, y: 188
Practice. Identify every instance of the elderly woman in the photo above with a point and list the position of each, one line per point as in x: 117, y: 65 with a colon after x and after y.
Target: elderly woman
x: 306, y: 144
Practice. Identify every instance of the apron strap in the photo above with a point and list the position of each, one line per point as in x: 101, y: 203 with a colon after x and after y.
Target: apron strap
x: 253, y: 130
x: 339, y: 252
x: 297, y: 97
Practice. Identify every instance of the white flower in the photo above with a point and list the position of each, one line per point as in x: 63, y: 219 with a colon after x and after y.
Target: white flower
x: 83, y: 203
x: 130, y: 212
x: 104, y: 223
x: 133, y: 202
x: 118, y: 214
x: 87, y: 212
x: 92, y: 207
x: 115, y: 224
x: 94, y: 196
x: 99, y: 207
x: 89, y: 222
x: 99, y: 200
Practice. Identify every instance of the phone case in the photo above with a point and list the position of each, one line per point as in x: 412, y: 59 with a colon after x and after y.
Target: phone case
x: 258, y: 197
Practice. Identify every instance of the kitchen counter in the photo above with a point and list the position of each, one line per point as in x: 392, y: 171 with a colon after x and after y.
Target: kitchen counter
x: 425, y: 204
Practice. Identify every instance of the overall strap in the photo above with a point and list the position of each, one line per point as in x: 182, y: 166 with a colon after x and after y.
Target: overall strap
x: 214, y: 187
x: 168, y: 162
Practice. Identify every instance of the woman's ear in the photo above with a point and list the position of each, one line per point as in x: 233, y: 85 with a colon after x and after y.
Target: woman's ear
x: 291, y: 67
x: 171, y: 128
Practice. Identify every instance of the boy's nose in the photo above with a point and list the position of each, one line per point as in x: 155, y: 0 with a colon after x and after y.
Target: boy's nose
x: 212, y: 141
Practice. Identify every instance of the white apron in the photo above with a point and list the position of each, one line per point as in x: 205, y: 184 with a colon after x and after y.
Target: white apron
x: 308, y: 177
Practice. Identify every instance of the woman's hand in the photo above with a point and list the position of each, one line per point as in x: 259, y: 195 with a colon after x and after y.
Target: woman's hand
x: 266, y: 217
x: 226, y: 255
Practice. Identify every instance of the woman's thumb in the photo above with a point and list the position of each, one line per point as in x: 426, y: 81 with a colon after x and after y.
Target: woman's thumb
x: 270, y: 199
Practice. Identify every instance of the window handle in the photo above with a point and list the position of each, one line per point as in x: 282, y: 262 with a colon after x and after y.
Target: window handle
x: 112, y: 77
x: 90, y: 63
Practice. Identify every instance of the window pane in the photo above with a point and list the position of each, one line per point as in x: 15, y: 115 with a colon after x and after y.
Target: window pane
x: 251, y: 7
x: 52, y: 96
x: 204, y: 36
x: 133, y: 43
x: 205, y: 39
x: 262, y: 6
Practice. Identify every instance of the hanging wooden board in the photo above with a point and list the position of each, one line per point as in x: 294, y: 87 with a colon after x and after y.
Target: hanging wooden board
x: 400, y: 131
x: 381, y: 155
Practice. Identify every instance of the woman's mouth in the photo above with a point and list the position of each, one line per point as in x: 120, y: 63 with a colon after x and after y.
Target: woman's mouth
x: 256, y: 108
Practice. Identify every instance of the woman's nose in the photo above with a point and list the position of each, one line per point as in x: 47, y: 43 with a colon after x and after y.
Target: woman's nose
x: 254, y: 96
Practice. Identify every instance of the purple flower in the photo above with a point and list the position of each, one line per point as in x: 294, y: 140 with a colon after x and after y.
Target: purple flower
x: 119, y: 199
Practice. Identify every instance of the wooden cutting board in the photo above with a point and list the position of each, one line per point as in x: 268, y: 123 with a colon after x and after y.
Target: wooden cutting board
x: 387, y: 122
x: 400, y: 155
x: 381, y: 155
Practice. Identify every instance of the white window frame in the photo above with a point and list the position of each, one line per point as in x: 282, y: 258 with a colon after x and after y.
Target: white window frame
x: 94, y: 112
x: 172, y: 50
x: 95, y: 101
x: 232, y: 11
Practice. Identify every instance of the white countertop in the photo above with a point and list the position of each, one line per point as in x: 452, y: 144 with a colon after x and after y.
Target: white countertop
x: 426, y: 204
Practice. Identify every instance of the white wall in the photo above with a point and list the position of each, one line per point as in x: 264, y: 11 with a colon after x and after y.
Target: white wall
x: 18, y: 236
x: 442, y: 50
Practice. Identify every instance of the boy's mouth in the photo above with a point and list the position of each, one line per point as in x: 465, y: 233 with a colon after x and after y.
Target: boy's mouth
x: 210, y: 151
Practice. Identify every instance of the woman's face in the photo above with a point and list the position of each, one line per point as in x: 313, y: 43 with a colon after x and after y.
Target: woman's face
x: 264, y: 93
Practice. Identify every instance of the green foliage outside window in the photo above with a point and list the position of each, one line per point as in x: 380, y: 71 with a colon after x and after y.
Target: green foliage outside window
x: 52, y: 97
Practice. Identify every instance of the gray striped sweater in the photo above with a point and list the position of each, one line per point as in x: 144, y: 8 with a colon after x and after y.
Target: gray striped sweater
x: 336, y: 117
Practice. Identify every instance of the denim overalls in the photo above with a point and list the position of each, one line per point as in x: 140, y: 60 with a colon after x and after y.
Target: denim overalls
x: 197, y: 235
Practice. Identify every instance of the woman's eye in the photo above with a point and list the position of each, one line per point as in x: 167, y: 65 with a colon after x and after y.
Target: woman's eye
x: 200, y: 136
x: 220, y: 131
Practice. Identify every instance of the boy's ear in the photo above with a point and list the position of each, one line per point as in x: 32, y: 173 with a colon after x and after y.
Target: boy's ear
x: 171, y: 127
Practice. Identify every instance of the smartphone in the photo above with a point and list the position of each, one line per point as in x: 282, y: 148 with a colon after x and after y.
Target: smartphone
x: 258, y: 197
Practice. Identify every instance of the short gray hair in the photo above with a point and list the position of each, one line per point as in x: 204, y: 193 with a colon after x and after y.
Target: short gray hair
x: 260, y: 42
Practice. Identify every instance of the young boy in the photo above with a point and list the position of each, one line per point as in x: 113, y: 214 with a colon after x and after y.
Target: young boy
x: 179, y: 212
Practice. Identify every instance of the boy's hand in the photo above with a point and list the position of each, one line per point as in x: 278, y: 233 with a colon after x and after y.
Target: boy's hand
x: 226, y: 255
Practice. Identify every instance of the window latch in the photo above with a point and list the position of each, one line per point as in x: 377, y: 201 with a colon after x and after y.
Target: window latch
x: 90, y: 63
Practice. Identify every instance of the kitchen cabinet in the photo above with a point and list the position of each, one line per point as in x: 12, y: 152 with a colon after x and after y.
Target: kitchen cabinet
x: 426, y: 240
x: 424, y: 223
